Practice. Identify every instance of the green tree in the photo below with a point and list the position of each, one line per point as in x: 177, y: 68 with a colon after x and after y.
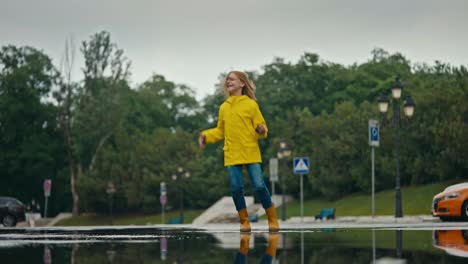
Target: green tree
x: 89, y: 113
x: 30, y: 151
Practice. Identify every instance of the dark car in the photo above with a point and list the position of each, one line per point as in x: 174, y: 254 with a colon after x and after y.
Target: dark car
x: 11, y: 211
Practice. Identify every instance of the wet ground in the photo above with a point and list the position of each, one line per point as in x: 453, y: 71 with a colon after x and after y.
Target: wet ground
x: 223, y: 244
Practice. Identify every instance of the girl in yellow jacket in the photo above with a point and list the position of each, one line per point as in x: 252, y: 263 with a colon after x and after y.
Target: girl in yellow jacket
x: 241, y: 124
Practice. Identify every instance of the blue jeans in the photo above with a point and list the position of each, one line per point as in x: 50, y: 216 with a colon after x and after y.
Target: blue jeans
x: 256, y: 178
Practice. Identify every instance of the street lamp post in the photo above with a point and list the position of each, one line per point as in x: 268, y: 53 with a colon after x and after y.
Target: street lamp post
x: 283, y: 153
x: 178, y: 177
x: 408, y: 107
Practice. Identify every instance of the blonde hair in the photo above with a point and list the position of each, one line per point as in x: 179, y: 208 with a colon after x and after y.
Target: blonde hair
x: 248, y: 89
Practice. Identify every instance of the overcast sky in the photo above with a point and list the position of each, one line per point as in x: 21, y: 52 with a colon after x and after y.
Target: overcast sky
x: 193, y: 41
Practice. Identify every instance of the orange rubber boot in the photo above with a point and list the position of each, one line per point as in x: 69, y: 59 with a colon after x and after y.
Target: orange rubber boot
x: 244, y: 220
x: 273, y: 224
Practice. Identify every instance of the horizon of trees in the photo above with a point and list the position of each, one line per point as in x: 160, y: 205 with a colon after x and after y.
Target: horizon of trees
x: 85, y: 134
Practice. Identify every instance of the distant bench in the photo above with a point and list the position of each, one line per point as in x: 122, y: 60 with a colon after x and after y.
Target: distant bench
x: 253, y: 218
x: 326, y: 213
x: 175, y: 221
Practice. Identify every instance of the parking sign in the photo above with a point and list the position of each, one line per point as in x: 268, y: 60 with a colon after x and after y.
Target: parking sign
x: 374, y: 133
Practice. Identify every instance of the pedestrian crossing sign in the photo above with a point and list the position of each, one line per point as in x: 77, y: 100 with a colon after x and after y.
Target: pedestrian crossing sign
x: 301, y: 165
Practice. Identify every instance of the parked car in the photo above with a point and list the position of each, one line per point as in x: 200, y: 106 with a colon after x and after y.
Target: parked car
x: 452, y: 203
x: 11, y: 211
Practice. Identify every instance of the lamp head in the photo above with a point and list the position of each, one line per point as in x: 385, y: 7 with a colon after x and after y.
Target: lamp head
x: 409, y: 106
x: 382, y: 101
x: 397, y: 87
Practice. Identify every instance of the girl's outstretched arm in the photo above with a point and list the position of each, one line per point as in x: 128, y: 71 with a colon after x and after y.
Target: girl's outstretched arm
x: 214, y: 134
x: 259, y: 123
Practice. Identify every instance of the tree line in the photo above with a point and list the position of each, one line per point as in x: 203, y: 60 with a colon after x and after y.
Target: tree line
x: 86, y: 134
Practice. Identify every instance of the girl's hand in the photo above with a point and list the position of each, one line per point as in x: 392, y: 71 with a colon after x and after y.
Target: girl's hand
x: 260, y: 129
x: 201, y: 141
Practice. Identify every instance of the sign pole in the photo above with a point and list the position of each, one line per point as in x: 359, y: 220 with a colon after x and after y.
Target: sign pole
x: 373, y: 142
x: 163, y: 200
x: 110, y: 190
x: 162, y: 215
x: 302, y: 198
x: 47, y: 185
x: 273, y: 175
x: 45, y: 207
x: 373, y: 180
x: 301, y: 166
x: 273, y: 190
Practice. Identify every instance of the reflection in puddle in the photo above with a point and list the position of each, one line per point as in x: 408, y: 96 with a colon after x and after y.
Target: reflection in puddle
x: 195, y: 246
x: 267, y: 257
x: 454, y: 242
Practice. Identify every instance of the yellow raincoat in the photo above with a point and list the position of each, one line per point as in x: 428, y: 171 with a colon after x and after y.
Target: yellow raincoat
x: 238, y: 118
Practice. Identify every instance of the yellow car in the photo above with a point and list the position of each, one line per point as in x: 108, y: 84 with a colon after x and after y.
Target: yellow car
x: 452, y: 202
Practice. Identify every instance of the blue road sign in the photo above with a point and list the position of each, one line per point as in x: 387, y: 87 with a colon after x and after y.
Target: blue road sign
x: 301, y: 165
x: 374, y: 133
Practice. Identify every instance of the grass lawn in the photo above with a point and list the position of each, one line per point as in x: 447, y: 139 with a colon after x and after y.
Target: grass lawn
x: 91, y: 219
x: 416, y: 200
